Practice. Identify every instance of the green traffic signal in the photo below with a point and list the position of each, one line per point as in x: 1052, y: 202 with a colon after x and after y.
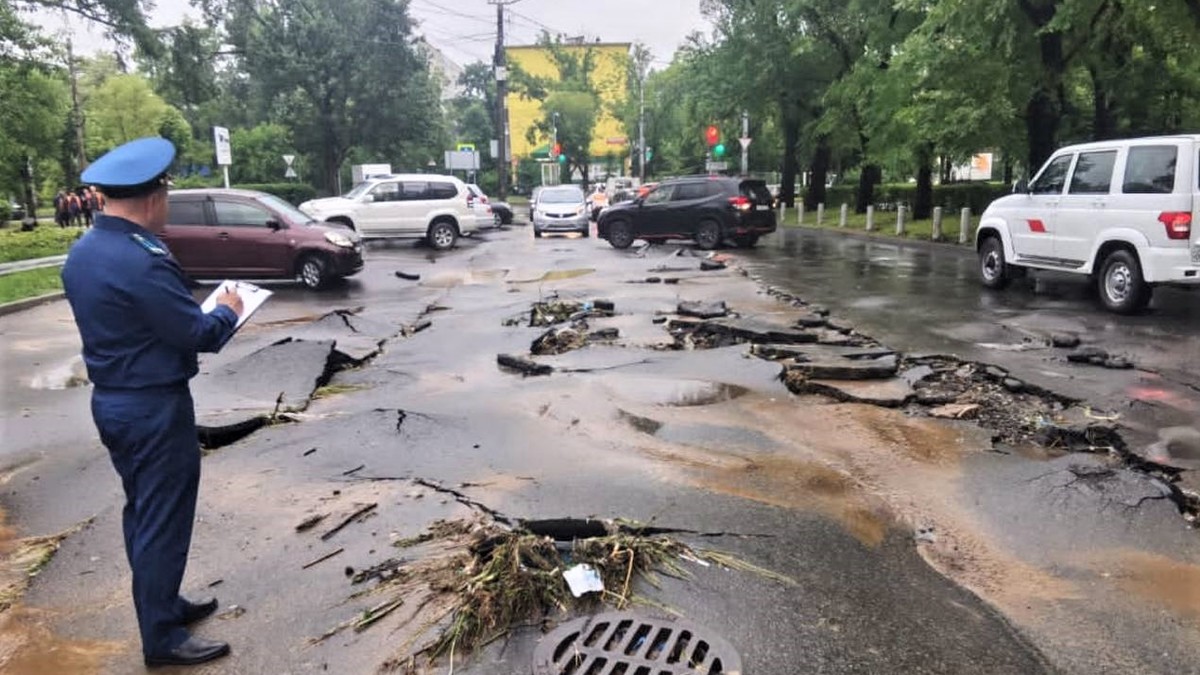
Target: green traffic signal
x: 562, y: 159
x: 719, y: 150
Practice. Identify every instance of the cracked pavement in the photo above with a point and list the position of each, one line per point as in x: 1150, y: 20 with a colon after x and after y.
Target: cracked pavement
x: 1020, y: 564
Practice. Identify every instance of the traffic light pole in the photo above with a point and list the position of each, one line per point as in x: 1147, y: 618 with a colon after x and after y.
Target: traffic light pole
x: 642, y: 128
x: 745, y: 145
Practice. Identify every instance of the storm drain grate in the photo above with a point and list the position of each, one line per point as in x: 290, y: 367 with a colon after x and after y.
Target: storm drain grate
x: 621, y: 643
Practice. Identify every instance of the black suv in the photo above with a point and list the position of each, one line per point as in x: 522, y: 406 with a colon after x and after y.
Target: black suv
x: 707, y: 209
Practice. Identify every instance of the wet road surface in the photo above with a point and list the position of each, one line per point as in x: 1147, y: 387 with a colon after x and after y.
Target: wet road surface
x: 707, y: 440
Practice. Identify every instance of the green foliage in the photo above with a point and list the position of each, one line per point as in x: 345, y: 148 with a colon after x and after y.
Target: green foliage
x: 41, y: 242
x: 951, y: 196
x: 258, y: 153
x: 339, y: 76
x: 293, y: 193
x: 29, y: 284
x: 125, y: 107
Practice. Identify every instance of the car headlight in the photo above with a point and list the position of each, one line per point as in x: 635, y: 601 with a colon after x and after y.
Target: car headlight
x: 339, y: 239
x: 581, y: 210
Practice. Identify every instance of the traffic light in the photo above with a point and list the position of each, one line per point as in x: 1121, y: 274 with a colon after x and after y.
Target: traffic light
x: 556, y: 151
x: 713, y: 135
x: 649, y: 154
x: 562, y: 159
x: 719, y: 150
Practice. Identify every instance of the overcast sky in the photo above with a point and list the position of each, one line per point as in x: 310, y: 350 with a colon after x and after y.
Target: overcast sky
x: 465, y: 30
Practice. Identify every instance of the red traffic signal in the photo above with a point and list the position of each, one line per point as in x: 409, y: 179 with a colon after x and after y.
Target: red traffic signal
x: 712, y: 135
x: 557, y: 150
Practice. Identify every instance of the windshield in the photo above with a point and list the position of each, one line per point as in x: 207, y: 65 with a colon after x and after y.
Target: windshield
x: 358, y: 191
x: 561, y: 196
x: 285, y: 209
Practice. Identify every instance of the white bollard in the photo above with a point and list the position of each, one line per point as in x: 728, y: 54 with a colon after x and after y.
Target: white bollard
x: 964, y: 231
x: 900, y: 220
x: 937, y: 223
x: 820, y: 214
x: 845, y: 215
x: 782, y: 214
x: 800, y: 213
x: 870, y: 219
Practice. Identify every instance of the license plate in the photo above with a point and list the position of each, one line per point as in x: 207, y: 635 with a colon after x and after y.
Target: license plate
x: 763, y: 207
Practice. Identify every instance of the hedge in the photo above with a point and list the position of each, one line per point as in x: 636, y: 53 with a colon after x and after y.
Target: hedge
x: 294, y: 193
x: 952, y: 197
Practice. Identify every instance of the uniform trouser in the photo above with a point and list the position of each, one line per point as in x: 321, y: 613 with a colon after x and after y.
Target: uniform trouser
x: 151, y: 437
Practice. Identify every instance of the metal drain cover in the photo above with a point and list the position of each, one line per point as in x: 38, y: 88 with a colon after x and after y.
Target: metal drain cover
x: 621, y: 643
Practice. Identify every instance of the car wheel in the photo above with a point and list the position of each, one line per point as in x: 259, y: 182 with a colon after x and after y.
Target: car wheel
x: 442, y: 235
x: 620, y: 234
x: 708, y: 235
x: 537, y: 234
x: 993, y: 270
x: 1122, y: 288
x: 746, y: 240
x: 497, y: 221
x: 586, y: 232
x: 506, y: 218
x: 312, y: 272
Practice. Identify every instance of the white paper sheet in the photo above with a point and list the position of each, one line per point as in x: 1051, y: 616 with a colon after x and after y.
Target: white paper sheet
x: 252, y: 298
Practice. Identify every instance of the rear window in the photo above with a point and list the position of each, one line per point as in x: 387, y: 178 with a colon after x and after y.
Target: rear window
x: 186, y: 213
x: 442, y: 191
x: 1150, y: 170
x: 756, y: 191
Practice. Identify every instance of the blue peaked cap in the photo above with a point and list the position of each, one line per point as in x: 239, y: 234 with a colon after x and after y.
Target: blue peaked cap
x: 132, y: 164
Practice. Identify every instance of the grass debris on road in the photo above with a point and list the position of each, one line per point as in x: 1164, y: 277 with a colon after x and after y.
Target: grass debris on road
x: 476, y: 581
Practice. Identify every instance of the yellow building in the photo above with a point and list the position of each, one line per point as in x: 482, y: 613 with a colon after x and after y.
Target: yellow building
x: 612, y: 62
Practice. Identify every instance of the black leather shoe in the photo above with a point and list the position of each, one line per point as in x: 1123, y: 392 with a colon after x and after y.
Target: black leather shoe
x: 193, y: 651
x: 194, y: 611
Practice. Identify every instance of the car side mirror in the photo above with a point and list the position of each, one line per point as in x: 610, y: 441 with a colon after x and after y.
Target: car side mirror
x: 367, y: 199
x: 275, y: 224
x: 1021, y: 187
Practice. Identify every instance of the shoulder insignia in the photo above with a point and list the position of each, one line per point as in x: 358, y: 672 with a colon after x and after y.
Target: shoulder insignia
x: 147, y: 244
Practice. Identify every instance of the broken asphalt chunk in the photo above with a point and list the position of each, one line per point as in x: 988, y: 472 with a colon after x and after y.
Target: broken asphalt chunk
x: 847, y: 369
x: 711, y: 265
x: 1064, y: 340
x: 522, y: 365
x: 891, y: 393
x: 408, y: 277
x: 703, y: 310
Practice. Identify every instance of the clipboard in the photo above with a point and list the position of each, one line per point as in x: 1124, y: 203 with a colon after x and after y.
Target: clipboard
x: 252, y: 296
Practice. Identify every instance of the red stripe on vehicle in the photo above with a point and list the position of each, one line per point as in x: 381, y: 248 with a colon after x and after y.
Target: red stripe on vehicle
x: 1036, y: 225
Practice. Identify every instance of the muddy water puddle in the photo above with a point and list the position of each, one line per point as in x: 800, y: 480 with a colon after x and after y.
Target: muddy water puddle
x: 556, y: 275
x: 467, y: 278
x: 674, y: 393
x: 66, y: 375
x: 29, y: 647
x: 1162, y: 580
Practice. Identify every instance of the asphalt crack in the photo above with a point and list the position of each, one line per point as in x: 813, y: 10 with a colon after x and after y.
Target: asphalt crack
x: 465, y: 500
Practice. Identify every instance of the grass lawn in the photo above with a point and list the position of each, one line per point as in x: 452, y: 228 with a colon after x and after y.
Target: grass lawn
x: 29, y: 284
x: 885, y: 224
x: 41, y: 242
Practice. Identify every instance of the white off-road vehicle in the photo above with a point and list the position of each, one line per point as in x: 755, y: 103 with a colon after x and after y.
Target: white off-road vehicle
x: 1119, y: 211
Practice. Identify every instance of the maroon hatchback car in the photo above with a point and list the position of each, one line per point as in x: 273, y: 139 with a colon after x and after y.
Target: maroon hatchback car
x: 218, y: 234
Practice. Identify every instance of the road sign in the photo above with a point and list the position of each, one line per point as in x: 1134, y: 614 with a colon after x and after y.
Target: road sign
x: 745, y: 142
x: 462, y: 161
x: 717, y: 166
x: 465, y: 147
x: 288, y: 159
x: 290, y: 173
x: 221, y: 142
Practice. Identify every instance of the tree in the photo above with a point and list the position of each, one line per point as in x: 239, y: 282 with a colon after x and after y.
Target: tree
x: 125, y: 107
x: 339, y: 76
x: 260, y: 153
x: 33, y: 115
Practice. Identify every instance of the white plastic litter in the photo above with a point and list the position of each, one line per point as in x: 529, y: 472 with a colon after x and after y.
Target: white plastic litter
x: 583, y: 579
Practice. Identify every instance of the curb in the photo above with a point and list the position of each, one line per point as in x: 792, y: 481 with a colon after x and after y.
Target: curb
x: 29, y: 303
x: 888, y: 238
x: 31, y: 264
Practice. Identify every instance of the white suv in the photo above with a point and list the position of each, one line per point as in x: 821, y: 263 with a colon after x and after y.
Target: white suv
x: 439, y: 208
x: 1118, y: 211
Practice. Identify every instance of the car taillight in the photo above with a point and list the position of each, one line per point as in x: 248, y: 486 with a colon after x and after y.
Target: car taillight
x: 741, y: 203
x: 1178, y: 224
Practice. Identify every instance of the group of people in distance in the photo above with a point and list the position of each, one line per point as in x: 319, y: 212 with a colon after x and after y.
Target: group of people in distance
x: 76, y: 207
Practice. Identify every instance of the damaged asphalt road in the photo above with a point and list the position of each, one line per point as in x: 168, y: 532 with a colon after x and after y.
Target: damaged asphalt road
x: 923, y: 534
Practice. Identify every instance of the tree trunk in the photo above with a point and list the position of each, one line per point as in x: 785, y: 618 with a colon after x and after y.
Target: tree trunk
x: 1104, y: 119
x: 1008, y: 171
x: 791, y: 140
x: 1044, y: 111
x: 819, y: 170
x: 867, y: 178
x: 923, y: 206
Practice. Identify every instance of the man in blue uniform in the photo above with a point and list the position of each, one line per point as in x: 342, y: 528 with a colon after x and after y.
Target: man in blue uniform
x: 141, y: 331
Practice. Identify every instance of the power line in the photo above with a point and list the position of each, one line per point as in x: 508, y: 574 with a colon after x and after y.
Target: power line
x: 446, y: 11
